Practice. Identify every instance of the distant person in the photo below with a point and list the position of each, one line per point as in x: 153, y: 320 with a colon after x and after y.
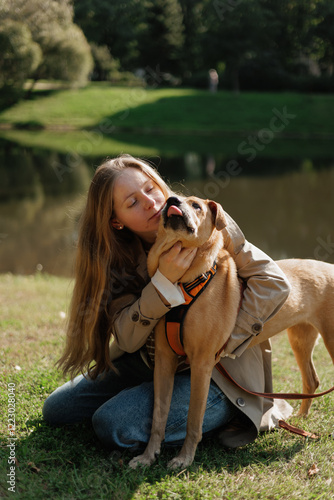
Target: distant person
x: 115, y: 307
x: 213, y: 80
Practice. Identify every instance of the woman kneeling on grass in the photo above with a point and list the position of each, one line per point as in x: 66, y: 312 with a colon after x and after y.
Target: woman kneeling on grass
x: 114, y: 298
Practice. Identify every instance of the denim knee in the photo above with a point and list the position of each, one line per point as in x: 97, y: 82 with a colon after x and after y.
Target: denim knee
x: 64, y: 407
x: 49, y: 411
x: 107, y: 429
x: 125, y: 420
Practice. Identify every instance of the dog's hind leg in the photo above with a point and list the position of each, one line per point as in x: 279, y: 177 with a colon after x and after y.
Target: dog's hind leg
x: 328, y: 337
x: 164, y: 372
x: 201, y: 371
x: 302, y: 339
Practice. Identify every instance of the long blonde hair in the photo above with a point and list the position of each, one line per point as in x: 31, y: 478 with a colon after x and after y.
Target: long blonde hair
x: 105, y: 271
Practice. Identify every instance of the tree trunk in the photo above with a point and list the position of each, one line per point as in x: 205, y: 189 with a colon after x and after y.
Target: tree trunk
x: 31, y: 88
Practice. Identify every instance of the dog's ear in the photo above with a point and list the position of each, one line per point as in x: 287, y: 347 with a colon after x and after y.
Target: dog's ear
x: 219, y: 218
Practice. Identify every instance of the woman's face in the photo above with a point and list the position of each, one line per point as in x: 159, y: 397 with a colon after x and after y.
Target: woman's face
x: 137, y: 203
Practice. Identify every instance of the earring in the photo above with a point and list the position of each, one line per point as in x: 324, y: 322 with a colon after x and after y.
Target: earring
x: 116, y: 224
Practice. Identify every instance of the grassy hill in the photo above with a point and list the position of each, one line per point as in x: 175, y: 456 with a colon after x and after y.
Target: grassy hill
x: 101, y: 120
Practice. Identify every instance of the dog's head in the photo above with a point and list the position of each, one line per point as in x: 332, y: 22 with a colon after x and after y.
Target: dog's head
x: 192, y: 221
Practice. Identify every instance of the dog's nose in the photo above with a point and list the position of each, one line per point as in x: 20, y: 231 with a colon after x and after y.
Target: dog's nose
x: 173, y: 200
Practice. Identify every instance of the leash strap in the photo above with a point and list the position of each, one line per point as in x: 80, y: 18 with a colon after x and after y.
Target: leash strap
x: 295, y: 430
x: 276, y: 395
x: 281, y: 423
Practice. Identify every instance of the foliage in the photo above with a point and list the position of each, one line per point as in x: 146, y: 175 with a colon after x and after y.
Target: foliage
x: 226, y: 40
x: 117, y: 25
x: 105, y: 66
x: 20, y: 54
x: 66, y: 57
x: 193, y: 58
x: 187, y: 37
x: 53, y: 46
x: 137, y: 33
x: 293, y: 40
x: 163, y: 36
x: 283, y: 45
x: 323, y: 33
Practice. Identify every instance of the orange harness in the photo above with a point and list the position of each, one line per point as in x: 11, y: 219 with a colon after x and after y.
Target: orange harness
x: 175, y: 317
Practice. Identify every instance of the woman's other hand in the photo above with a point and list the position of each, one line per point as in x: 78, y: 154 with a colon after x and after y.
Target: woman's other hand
x: 176, y: 261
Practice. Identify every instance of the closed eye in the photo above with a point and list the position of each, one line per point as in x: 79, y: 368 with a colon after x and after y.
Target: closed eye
x: 151, y: 188
x: 196, y: 206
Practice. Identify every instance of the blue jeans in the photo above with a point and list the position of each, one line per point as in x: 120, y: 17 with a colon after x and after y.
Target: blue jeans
x: 120, y: 406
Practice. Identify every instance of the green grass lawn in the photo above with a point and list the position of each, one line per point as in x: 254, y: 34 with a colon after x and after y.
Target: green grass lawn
x: 100, y: 120
x: 163, y: 110
x: 70, y: 463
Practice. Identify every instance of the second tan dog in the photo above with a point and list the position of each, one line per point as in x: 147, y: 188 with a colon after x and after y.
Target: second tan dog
x: 307, y: 311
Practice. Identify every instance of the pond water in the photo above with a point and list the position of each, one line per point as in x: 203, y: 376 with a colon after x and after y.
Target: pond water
x: 284, y: 206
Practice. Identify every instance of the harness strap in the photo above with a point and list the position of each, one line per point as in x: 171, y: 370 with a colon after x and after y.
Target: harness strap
x: 175, y: 317
x: 192, y: 290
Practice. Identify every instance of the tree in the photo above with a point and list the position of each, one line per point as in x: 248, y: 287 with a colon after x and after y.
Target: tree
x: 20, y: 55
x: 66, y: 56
x: 117, y: 25
x: 193, y: 51
x: 65, y: 53
x: 104, y: 64
x: 295, y: 20
x: 236, y: 30
x: 323, y: 34
x: 138, y: 33
x: 161, y: 42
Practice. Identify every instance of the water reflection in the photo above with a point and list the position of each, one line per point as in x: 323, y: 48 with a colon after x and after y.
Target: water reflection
x: 290, y: 215
x: 38, y: 209
x: 284, y: 206
x: 36, y: 173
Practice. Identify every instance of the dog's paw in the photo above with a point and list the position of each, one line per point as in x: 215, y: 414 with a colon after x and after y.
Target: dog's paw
x: 142, y: 460
x: 179, y: 462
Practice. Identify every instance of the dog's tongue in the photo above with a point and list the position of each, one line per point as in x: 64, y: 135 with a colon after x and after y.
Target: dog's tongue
x: 173, y: 210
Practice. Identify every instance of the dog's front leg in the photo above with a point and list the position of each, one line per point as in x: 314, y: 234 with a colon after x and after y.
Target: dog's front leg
x: 200, y: 383
x: 164, y: 372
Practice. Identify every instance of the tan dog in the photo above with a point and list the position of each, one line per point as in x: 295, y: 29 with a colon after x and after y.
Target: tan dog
x: 308, y: 309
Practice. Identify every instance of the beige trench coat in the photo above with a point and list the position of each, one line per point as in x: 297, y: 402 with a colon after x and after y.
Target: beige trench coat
x: 266, y: 291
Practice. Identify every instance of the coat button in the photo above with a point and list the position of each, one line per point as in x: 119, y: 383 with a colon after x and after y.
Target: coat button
x: 257, y: 328
x: 145, y: 322
x: 241, y: 402
x: 135, y: 316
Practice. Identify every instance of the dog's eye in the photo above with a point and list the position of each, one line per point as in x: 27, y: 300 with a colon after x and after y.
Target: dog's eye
x: 196, y: 206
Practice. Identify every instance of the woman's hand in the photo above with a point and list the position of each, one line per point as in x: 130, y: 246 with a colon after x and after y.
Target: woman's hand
x: 176, y: 261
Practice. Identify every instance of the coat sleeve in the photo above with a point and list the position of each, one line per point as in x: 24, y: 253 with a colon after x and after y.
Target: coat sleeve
x: 267, y: 288
x: 134, y: 323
